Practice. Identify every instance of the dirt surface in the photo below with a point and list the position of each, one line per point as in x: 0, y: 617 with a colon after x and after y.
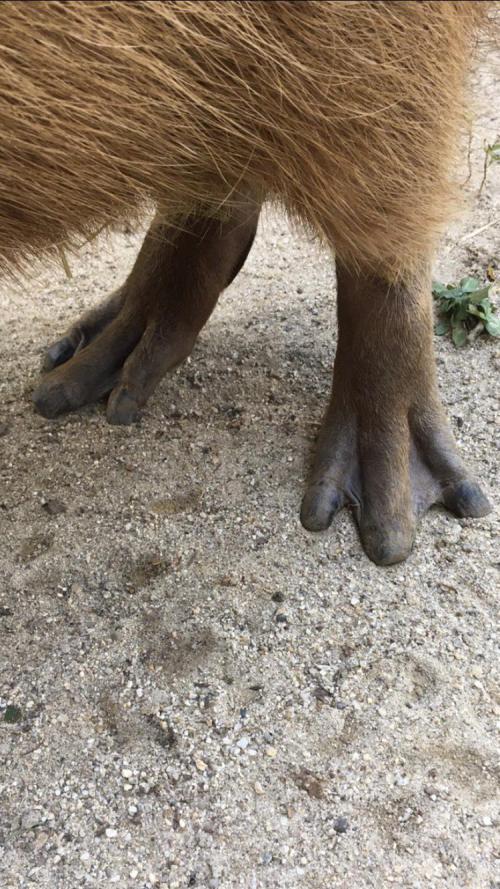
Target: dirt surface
x: 193, y: 690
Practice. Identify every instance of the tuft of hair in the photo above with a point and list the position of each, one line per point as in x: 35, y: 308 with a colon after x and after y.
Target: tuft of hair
x: 345, y: 113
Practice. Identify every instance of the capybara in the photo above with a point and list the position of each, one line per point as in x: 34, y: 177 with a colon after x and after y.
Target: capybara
x: 344, y: 113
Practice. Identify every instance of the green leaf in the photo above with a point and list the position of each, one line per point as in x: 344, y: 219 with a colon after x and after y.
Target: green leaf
x: 477, y: 312
x: 492, y: 325
x: 493, y: 152
x: 468, y: 285
x: 460, y: 313
x: 458, y: 335
x: 454, y: 293
x: 479, y: 295
x: 442, y: 327
x: 437, y: 287
x: 446, y: 306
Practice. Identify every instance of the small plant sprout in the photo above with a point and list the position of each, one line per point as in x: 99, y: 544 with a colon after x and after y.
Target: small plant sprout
x: 465, y: 309
x: 491, y: 156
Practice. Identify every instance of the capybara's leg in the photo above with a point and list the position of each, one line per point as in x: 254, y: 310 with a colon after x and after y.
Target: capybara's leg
x: 151, y: 323
x: 385, y: 447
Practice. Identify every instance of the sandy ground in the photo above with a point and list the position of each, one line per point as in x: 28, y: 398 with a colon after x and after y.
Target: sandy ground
x: 193, y: 690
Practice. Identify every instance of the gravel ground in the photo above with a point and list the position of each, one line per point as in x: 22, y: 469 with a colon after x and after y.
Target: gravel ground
x: 193, y: 690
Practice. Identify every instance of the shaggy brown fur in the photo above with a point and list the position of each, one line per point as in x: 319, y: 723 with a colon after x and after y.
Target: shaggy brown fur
x: 345, y: 112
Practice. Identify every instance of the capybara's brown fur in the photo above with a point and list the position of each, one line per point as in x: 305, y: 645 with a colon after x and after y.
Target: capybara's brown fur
x: 345, y: 112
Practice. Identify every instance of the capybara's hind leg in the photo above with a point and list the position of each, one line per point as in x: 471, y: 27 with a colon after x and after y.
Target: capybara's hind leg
x: 151, y: 323
x: 385, y: 447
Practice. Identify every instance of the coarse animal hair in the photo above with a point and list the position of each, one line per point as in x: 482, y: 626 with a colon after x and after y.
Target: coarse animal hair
x: 346, y: 113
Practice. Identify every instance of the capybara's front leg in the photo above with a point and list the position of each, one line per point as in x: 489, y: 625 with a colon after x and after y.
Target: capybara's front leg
x: 150, y: 325
x: 385, y: 446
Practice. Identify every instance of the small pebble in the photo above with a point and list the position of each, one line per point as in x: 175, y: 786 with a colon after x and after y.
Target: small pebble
x: 12, y: 714
x: 53, y: 507
x: 278, y: 597
x: 341, y: 825
x: 30, y: 820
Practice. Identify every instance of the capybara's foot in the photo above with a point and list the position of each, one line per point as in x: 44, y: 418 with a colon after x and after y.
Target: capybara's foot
x: 385, y: 447
x: 390, y: 472
x: 149, y: 326
x: 121, y: 352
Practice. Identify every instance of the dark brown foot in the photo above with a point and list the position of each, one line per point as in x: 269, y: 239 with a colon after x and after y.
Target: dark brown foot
x: 149, y: 326
x: 390, y: 475
x: 84, y: 331
x: 385, y: 447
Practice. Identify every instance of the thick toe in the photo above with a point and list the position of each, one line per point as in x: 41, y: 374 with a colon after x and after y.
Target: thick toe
x: 58, y: 353
x: 319, y: 505
x: 122, y: 409
x: 52, y: 399
x: 466, y: 500
x: 389, y: 544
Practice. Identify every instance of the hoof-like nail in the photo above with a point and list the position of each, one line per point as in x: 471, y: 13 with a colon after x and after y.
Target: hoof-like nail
x: 319, y: 506
x: 466, y: 500
x: 122, y: 408
x: 386, y: 546
x: 50, y: 402
x: 58, y: 353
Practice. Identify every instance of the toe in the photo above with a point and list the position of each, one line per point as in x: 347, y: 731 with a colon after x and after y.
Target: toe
x: 122, y: 409
x: 387, y: 544
x: 59, y: 353
x: 319, y: 505
x: 51, y: 399
x: 466, y: 500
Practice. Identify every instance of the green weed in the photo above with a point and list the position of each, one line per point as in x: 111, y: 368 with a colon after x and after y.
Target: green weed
x: 465, y: 309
